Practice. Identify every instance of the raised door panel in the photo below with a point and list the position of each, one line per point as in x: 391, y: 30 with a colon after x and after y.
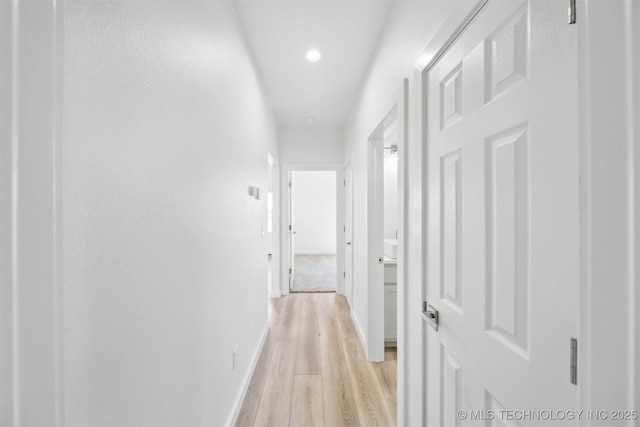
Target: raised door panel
x: 507, y: 237
x: 451, y: 230
x: 507, y: 54
x: 450, y: 388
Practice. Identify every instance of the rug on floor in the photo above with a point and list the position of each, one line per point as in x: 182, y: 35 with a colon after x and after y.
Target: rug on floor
x: 314, y: 273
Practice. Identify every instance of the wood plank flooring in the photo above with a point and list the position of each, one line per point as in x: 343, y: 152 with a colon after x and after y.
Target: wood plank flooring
x: 313, y: 370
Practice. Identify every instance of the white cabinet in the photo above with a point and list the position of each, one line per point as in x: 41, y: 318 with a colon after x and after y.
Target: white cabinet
x: 390, y: 305
x: 390, y: 274
x: 390, y: 317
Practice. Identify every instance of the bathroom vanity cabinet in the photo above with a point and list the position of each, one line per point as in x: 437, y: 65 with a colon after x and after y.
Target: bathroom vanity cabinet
x: 390, y: 302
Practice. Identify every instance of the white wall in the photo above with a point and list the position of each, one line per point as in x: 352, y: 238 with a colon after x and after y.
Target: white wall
x: 405, y: 38
x: 310, y: 144
x: 390, y: 197
x: 164, y: 268
x: 314, y: 197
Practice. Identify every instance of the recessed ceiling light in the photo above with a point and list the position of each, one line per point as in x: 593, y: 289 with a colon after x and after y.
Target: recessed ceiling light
x: 310, y: 120
x: 313, y: 55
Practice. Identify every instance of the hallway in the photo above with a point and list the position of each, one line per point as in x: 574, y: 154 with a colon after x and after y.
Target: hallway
x: 313, y: 370
x: 146, y: 236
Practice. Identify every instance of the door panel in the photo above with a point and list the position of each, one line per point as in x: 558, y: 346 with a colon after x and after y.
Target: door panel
x: 451, y: 388
x: 507, y: 239
x: 502, y: 215
x: 451, y: 290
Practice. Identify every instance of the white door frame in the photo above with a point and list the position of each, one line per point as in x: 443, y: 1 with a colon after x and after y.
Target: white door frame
x: 609, y: 86
x: 274, y: 180
x: 348, y: 221
x: 394, y: 110
x: 285, y: 169
x: 375, y: 238
x: 31, y: 363
x: 291, y: 231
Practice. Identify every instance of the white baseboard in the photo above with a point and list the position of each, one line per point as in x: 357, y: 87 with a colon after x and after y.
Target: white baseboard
x: 275, y: 293
x: 247, y: 378
x: 363, y: 340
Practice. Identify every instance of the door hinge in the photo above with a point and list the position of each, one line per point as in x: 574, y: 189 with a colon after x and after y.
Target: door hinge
x: 344, y: 229
x: 289, y: 227
x: 289, y: 184
x: 572, y: 12
x: 345, y: 183
x: 574, y: 361
x: 344, y: 274
x: 289, y: 271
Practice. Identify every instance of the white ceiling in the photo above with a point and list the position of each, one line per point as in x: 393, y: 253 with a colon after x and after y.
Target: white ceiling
x: 280, y: 32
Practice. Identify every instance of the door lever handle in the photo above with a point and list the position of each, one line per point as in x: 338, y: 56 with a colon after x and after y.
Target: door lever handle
x: 430, y: 315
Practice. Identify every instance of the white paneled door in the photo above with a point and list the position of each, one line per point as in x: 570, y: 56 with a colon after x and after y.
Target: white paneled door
x: 502, y: 219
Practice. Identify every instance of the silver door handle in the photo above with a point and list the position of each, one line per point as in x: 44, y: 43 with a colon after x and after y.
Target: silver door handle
x: 430, y: 315
x: 349, y: 243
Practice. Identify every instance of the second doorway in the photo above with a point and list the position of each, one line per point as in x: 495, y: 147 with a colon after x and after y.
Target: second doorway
x: 312, y: 246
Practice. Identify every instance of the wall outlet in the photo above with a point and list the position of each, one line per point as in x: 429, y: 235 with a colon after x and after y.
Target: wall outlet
x: 235, y: 356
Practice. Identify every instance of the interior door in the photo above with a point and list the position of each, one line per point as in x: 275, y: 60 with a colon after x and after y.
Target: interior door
x: 292, y: 232
x: 348, y: 234
x: 502, y: 225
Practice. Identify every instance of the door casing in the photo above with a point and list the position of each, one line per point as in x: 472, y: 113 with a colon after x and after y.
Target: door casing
x: 395, y: 110
x: 348, y: 233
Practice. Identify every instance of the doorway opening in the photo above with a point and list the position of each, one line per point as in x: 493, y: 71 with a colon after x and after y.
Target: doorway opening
x: 268, y: 234
x: 312, y: 236
x: 386, y: 246
x: 390, y: 233
x: 382, y: 206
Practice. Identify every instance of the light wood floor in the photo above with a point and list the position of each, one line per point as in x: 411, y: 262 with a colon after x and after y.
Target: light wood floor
x: 313, y: 371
